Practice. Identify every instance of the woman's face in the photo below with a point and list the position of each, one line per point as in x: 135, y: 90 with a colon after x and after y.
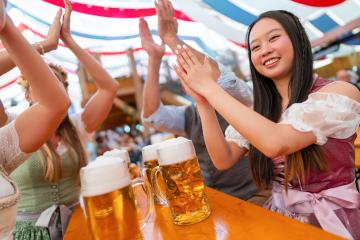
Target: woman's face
x: 272, y: 52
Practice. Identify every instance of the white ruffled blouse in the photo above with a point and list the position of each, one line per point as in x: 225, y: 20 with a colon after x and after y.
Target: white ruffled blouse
x: 11, y: 157
x: 325, y: 114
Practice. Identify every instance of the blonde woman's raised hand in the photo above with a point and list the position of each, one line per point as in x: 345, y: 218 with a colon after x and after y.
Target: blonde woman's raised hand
x: 35, y: 125
x: 50, y: 43
x: 147, y: 41
x: 99, y: 105
x: 65, y: 28
x: 52, y: 38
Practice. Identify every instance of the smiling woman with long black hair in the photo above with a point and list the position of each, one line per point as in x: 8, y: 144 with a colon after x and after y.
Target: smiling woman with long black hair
x: 300, y: 133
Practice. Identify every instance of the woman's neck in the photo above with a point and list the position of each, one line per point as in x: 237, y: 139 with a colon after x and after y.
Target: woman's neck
x: 282, y: 85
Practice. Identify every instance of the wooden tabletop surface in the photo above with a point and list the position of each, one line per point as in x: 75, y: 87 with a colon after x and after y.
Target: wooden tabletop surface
x: 231, y: 218
x: 357, y: 149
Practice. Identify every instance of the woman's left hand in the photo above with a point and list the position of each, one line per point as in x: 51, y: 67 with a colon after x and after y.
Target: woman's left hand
x: 196, y: 75
x: 51, y: 41
x: 65, y: 27
x: 183, y: 78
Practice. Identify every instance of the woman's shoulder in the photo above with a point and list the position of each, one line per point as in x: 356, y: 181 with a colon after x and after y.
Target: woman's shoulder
x: 319, y: 83
x: 337, y: 87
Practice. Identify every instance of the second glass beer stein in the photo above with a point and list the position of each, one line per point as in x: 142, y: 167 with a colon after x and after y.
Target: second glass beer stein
x: 180, y: 170
x: 150, y: 159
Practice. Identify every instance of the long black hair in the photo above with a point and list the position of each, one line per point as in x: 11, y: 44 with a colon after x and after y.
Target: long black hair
x: 267, y: 101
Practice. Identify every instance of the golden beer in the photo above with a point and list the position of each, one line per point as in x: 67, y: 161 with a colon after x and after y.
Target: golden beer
x: 184, y: 185
x: 106, y: 211
x: 149, y: 154
x: 109, y: 200
x: 148, y: 168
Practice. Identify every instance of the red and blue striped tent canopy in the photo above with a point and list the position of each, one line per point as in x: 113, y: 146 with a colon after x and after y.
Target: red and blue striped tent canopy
x: 110, y: 27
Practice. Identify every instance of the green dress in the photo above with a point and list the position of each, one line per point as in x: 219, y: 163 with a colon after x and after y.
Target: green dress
x: 38, y: 194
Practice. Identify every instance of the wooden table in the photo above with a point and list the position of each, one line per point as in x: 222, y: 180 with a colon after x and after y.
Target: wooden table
x: 357, y: 149
x: 357, y: 159
x: 231, y: 218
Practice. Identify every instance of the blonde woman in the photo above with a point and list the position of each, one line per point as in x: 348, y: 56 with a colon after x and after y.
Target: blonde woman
x: 31, y: 128
x: 49, y: 180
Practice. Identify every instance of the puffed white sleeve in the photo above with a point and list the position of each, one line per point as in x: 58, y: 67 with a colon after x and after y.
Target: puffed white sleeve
x: 326, y: 115
x: 11, y: 154
x: 234, y: 136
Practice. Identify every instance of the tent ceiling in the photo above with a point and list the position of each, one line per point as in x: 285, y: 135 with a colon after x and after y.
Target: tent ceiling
x: 110, y: 27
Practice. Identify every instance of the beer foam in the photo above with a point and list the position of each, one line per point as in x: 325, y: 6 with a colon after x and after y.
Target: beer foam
x: 104, y: 175
x: 121, y: 153
x: 150, y: 152
x: 175, y: 150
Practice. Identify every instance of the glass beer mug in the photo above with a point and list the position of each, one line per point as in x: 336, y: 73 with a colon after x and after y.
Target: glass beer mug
x: 150, y: 158
x: 180, y: 170
x: 123, y: 154
x: 109, y: 200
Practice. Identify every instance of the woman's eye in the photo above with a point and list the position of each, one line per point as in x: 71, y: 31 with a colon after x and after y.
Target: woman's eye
x: 274, y: 37
x: 254, y: 48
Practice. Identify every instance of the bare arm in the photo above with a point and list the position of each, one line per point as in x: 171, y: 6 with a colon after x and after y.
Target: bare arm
x: 169, y: 118
x: 273, y: 139
x: 50, y: 43
x: 35, y: 125
x: 99, y: 106
x: 223, y: 153
x: 151, y: 92
x: 280, y: 139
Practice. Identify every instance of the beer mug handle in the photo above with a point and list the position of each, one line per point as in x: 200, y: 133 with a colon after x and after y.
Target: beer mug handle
x: 154, y: 177
x: 150, y: 201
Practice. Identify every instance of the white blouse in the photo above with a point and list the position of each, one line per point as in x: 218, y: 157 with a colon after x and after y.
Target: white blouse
x: 11, y: 156
x: 325, y: 114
